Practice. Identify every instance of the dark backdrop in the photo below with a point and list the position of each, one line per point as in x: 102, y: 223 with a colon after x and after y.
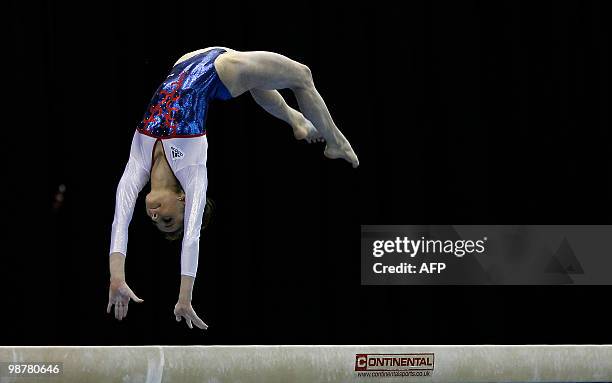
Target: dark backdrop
x: 461, y: 112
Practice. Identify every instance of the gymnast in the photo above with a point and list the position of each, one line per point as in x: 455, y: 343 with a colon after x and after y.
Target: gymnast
x: 169, y: 148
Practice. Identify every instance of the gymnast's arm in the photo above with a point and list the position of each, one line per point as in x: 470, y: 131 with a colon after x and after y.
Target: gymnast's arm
x: 134, y: 177
x: 194, y: 181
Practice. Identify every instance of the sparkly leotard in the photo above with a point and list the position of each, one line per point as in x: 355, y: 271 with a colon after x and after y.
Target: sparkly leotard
x: 175, y: 116
x: 179, y: 107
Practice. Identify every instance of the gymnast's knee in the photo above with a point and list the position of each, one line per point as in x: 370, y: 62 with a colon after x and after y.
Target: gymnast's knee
x: 304, y: 79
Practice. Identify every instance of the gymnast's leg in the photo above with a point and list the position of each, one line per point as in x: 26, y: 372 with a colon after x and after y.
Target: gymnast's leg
x: 272, y: 102
x: 245, y: 71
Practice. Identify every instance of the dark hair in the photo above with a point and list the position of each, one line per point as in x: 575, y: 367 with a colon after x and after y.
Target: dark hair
x: 206, y: 219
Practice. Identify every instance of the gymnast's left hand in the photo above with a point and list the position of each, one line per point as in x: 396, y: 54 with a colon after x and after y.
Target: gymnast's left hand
x: 183, y: 309
x: 119, y: 294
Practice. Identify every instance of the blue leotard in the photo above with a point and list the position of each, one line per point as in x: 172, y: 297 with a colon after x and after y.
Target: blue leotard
x: 180, y: 104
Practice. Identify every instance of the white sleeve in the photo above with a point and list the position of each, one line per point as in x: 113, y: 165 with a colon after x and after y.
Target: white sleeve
x: 194, y: 180
x: 134, y: 178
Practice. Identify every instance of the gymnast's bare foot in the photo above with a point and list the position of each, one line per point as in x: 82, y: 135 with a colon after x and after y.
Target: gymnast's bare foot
x: 344, y: 151
x: 305, y: 130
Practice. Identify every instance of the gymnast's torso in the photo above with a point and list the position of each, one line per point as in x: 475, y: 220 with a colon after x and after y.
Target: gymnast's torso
x: 175, y: 118
x: 174, y: 125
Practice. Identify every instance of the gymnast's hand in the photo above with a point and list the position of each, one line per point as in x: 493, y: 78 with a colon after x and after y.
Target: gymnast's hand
x: 183, y: 307
x: 119, y: 294
x: 184, y: 310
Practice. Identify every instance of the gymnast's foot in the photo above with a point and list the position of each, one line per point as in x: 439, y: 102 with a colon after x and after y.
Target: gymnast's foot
x: 305, y: 130
x: 344, y: 151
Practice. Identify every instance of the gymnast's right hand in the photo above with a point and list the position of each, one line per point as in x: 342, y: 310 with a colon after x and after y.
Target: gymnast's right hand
x: 119, y: 294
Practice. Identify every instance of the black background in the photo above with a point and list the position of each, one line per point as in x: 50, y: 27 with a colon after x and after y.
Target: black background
x: 461, y: 112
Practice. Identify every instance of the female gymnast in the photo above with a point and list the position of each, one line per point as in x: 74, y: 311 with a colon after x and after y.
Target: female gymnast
x: 170, y: 147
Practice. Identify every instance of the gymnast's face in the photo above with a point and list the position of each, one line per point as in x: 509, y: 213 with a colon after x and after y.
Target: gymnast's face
x: 166, y: 209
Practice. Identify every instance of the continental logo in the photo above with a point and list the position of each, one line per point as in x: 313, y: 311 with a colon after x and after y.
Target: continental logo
x: 394, y: 362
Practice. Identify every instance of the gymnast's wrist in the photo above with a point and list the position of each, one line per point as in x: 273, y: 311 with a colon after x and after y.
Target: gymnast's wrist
x: 186, y: 289
x: 117, y: 267
x: 117, y: 278
x: 184, y: 295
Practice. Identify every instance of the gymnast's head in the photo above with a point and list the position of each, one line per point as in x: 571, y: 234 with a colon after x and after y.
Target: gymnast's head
x: 166, y: 209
